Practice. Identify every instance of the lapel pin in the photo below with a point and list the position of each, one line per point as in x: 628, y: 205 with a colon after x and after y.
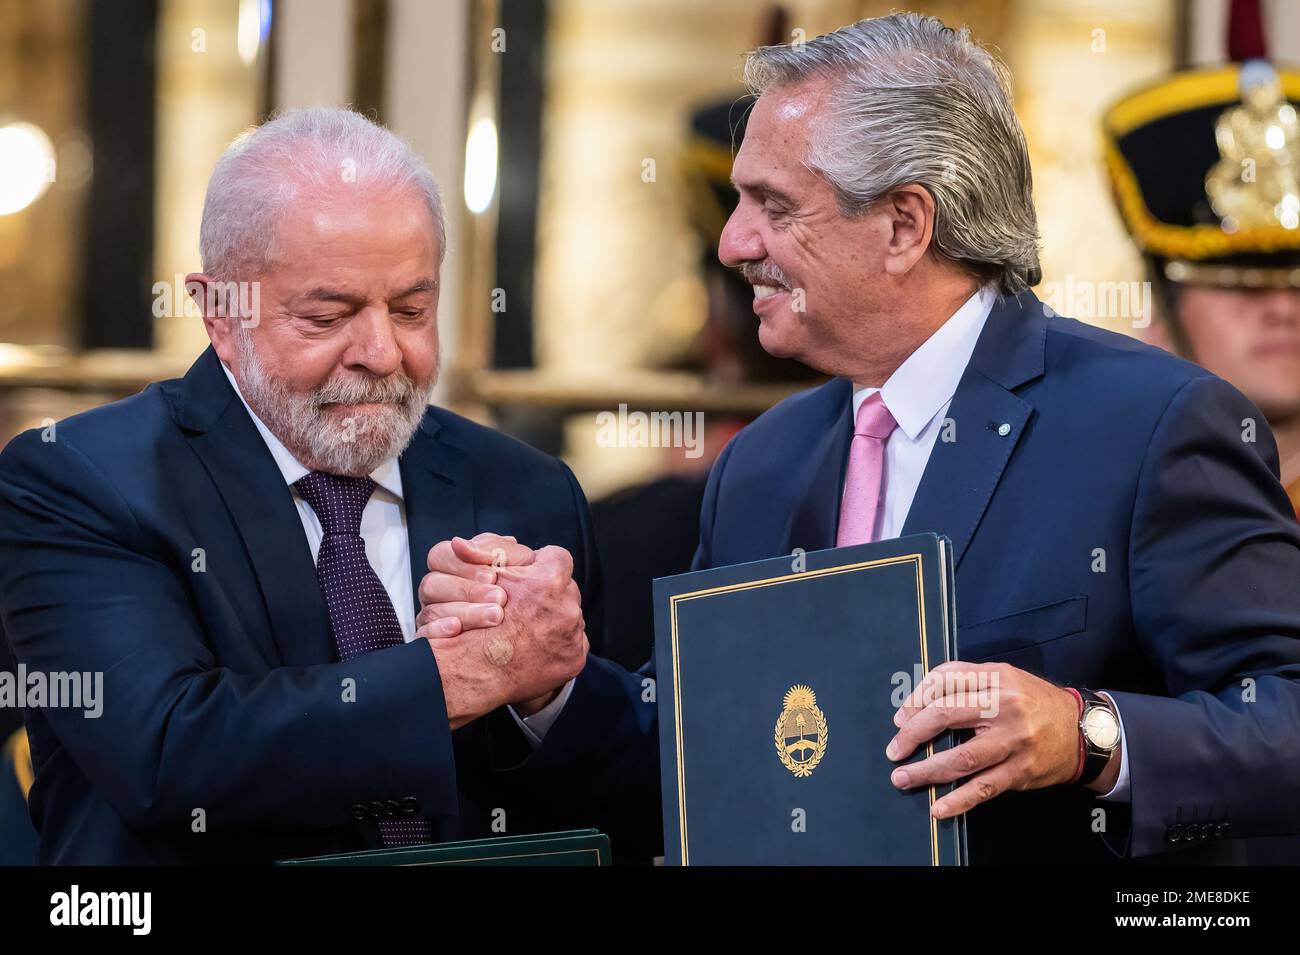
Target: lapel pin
x: 1004, y: 429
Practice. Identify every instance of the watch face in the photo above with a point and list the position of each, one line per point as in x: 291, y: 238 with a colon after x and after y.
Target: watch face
x: 1101, y: 727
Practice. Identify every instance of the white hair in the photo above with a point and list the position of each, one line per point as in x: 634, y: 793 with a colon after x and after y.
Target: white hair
x: 266, y: 168
x: 913, y: 101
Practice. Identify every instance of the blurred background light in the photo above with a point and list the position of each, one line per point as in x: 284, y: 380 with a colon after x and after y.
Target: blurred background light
x: 481, y: 164
x: 27, y: 166
x: 254, y: 21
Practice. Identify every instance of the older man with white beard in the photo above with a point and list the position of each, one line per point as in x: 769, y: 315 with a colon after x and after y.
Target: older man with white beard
x: 239, y: 553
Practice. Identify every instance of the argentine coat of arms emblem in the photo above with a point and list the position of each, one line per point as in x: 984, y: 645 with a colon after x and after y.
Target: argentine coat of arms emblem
x: 801, y: 731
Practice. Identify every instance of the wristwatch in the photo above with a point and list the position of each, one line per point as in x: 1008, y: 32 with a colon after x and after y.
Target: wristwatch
x: 1099, y: 734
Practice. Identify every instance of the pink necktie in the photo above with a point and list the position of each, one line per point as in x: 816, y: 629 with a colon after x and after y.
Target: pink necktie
x: 864, y: 481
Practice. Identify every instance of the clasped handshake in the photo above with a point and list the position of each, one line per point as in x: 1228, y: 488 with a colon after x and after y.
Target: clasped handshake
x: 505, y: 624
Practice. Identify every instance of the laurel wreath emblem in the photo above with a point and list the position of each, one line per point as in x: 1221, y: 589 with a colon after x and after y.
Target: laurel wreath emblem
x: 799, y: 697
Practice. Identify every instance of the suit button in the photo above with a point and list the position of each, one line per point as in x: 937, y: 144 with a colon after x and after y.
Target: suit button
x: 1224, y: 827
x: 360, y: 813
x: 377, y: 809
x: 1174, y: 833
x: 391, y: 808
x: 410, y: 805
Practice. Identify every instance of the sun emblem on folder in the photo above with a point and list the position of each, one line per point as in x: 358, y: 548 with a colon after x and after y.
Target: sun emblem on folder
x: 801, y: 731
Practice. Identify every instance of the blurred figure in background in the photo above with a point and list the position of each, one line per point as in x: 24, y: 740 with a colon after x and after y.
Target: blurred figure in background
x: 1205, y: 168
x: 651, y: 529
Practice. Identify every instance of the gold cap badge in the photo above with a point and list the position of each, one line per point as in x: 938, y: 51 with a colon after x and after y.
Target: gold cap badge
x: 1256, y: 182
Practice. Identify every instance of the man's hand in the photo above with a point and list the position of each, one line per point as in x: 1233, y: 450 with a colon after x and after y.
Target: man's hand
x: 459, y: 592
x: 1026, y: 734
x: 522, y: 654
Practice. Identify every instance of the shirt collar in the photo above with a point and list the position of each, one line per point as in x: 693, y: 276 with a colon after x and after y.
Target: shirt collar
x: 928, y: 379
x: 388, y: 475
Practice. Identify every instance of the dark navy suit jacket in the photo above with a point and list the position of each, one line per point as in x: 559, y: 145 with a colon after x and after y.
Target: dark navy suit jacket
x: 222, y: 689
x: 1115, y: 452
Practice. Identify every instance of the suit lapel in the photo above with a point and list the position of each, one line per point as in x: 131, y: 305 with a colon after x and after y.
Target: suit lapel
x: 988, y: 422
x: 819, y: 474
x: 438, y: 495
x: 262, y: 510
x: 961, y: 475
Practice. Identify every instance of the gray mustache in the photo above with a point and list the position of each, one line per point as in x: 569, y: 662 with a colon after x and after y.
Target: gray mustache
x: 763, y: 273
x: 395, y: 389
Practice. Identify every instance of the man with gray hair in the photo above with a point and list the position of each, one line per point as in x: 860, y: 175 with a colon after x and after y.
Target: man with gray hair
x: 1115, y: 512
x: 1111, y: 528
x: 240, y: 552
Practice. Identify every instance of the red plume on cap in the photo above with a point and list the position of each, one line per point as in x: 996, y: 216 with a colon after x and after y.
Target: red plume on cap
x: 1246, y: 31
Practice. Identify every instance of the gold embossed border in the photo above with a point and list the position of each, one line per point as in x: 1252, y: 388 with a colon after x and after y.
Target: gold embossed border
x: 914, y: 559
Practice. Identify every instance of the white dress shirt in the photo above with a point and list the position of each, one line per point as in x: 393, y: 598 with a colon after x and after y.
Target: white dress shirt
x: 383, y: 528
x: 918, y: 395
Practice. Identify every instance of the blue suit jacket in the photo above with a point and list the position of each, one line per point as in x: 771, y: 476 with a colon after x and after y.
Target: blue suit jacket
x: 222, y: 688
x: 1118, y: 452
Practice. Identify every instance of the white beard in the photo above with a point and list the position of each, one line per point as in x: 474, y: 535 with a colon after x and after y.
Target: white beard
x: 323, y: 439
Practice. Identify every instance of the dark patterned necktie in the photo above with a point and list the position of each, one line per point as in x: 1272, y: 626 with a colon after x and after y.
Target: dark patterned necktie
x: 361, y: 614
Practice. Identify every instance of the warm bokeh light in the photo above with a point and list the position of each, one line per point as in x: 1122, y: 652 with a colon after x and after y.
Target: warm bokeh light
x: 481, y: 165
x: 254, y: 22
x: 27, y: 166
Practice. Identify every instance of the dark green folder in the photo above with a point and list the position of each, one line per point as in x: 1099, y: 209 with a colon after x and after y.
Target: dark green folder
x: 576, y: 847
